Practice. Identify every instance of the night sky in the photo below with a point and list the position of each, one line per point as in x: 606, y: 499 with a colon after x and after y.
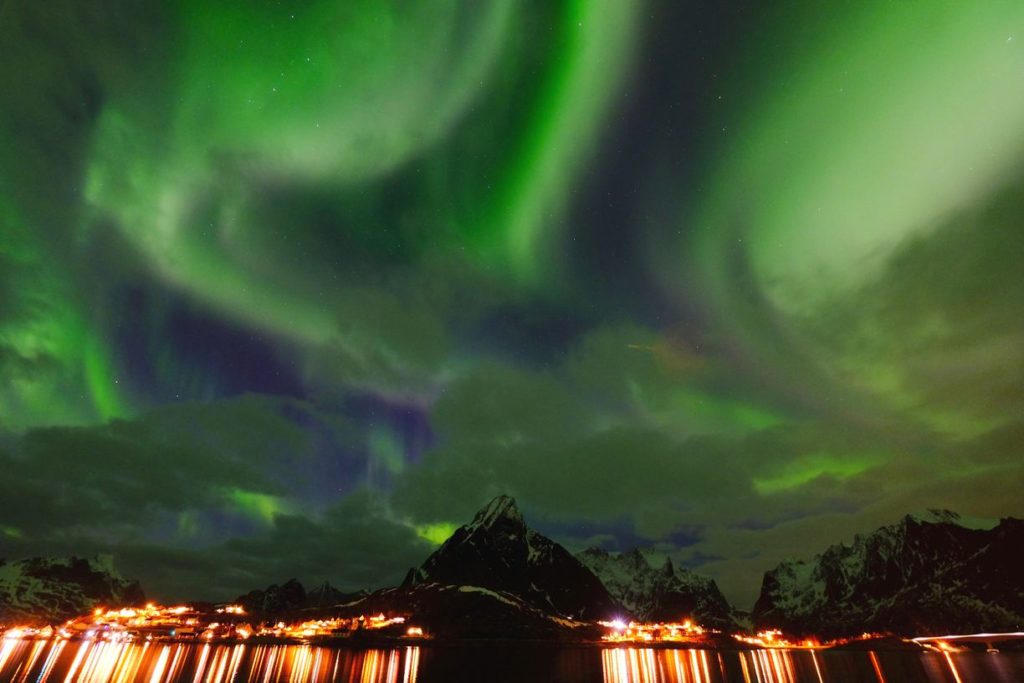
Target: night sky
x: 293, y: 288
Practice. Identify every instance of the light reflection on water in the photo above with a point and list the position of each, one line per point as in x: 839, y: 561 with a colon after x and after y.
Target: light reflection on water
x: 98, y: 662
x: 637, y: 665
x: 632, y: 665
x: 101, y: 662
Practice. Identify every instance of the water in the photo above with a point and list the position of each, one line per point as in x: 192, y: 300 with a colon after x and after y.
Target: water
x: 87, y: 662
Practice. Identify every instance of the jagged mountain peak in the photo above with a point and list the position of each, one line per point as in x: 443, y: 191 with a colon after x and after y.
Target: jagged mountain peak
x: 326, y: 595
x: 658, y: 591
x: 499, y: 552
x: 927, y: 528
x: 502, y: 510
x: 636, y: 558
x: 274, y: 598
x: 323, y: 594
x: 291, y: 595
x: 939, y: 516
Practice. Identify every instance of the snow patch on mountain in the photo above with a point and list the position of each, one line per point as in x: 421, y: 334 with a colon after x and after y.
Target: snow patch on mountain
x: 658, y: 593
x: 489, y: 593
x: 503, y: 508
x: 929, y: 570
x: 936, y: 516
x: 50, y: 590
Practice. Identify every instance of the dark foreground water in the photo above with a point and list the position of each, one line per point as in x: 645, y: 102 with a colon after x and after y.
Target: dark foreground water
x: 68, y: 662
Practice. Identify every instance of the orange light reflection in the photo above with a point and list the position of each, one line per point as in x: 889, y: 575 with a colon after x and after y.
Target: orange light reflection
x: 952, y: 667
x: 878, y: 667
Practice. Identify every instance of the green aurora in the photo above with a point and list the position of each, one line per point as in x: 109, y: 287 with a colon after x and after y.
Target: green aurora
x: 292, y: 288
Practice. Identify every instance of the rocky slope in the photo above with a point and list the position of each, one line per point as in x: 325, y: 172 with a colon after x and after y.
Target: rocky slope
x: 454, y: 612
x: 50, y: 590
x: 498, y: 552
x: 927, y: 573
x: 659, y: 593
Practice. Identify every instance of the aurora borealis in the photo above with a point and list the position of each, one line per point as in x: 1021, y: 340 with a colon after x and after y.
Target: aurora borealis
x: 292, y: 288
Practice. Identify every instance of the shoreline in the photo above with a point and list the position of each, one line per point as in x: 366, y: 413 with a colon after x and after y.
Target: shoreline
x: 374, y: 643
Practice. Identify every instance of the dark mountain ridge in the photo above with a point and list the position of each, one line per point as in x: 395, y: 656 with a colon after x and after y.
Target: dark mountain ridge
x: 927, y: 573
x: 291, y: 596
x: 497, y: 551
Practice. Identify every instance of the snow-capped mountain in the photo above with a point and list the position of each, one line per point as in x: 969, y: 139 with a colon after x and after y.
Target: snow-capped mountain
x: 51, y: 590
x: 926, y: 573
x: 497, y: 551
x: 659, y: 593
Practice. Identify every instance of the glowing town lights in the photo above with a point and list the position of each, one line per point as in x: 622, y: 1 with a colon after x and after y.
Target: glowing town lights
x: 330, y: 628
x: 634, y: 632
x: 414, y: 632
x: 231, y: 609
x: 150, y: 623
x: 774, y: 639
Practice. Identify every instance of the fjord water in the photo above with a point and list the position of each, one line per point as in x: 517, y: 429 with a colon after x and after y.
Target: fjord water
x: 89, y: 662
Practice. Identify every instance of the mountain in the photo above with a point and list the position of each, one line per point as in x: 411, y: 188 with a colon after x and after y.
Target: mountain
x: 931, y: 573
x: 498, y: 552
x: 50, y: 590
x: 291, y: 596
x: 659, y: 594
x: 454, y: 612
x: 274, y: 599
x: 326, y: 595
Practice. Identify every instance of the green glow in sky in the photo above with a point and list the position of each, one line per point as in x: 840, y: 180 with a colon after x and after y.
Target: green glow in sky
x: 291, y: 96
x: 302, y: 285
x: 258, y: 506
x: 435, y: 534
x: 882, y: 130
x: 805, y: 469
x: 573, y: 104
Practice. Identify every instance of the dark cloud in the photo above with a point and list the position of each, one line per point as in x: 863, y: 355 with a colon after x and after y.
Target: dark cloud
x: 232, y: 491
x: 354, y: 544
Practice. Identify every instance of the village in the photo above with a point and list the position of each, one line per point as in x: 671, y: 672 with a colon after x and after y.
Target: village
x: 219, y: 623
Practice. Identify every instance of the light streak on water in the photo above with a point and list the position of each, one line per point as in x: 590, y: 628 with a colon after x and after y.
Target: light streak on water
x: 60, y: 661
x: 63, y: 661
x: 878, y: 667
x: 952, y: 667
